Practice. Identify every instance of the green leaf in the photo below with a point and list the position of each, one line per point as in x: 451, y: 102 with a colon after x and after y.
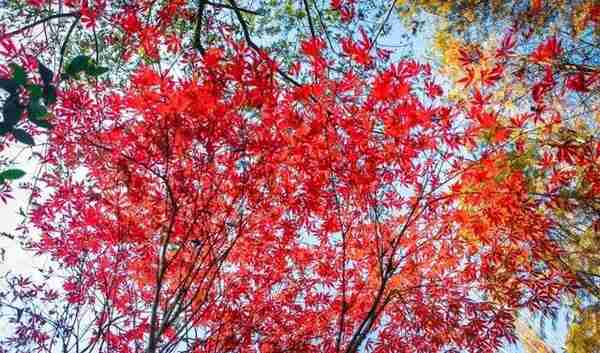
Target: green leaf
x: 19, y: 75
x: 42, y: 123
x: 12, y: 110
x: 36, y: 110
x: 35, y: 91
x: 49, y: 95
x: 12, y: 174
x: 45, y: 73
x: 78, y: 64
x: 23, y: 137
x: 96, y: 70
x: 9, y: 86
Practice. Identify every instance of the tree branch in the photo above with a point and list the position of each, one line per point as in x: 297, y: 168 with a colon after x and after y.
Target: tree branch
x: 251, y: 44
x: 310, y: 23
x: 382, y: 25
x: 63, y: 48
x: 196, y: 42
x: 43, y: 20
x: 230, y: 7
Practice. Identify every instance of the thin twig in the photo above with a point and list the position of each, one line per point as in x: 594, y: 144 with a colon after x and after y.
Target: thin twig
x: 253, y: 45
x: 63, y: 48
x: 96, y: 45
x: 382, y: 25
x: 196, y: 42
x: 322, y: 22
x: 43, y: 20
x: 310, y: 23
x: 225, y: 6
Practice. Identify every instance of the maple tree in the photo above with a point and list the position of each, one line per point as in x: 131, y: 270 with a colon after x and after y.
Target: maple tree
x: 76, y: 37
x: 204, y: 196
x: 535, y: 77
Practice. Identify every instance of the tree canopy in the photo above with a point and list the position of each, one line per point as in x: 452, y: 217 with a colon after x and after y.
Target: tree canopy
x: 266, y: 176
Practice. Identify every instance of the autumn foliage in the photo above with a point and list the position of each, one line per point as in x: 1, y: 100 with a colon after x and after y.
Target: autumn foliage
x: 228, y: 202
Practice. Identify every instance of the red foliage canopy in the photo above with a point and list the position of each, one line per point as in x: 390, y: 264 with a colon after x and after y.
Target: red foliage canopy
x: 231, y: 211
